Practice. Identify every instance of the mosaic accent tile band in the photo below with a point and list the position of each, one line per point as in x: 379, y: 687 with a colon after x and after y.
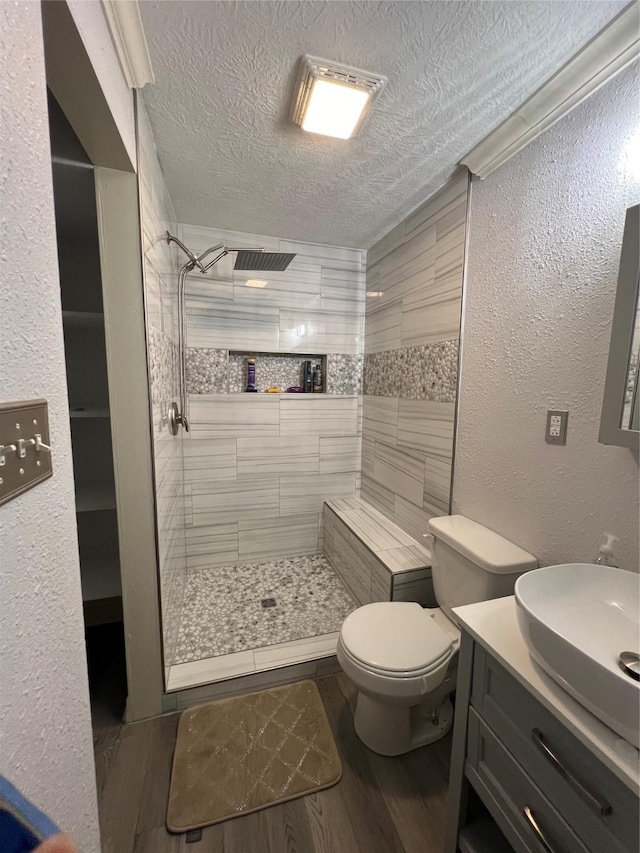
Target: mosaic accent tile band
x: 344, y: 374
x: 223, y: 610
x: 207, y: 370
x: 163, y: 365
x: 427, y: 372
x: 217, y: 371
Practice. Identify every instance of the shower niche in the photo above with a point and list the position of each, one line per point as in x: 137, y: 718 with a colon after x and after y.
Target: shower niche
x: 276, y: 370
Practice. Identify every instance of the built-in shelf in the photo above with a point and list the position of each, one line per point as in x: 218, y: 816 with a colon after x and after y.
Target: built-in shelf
x: 82, y: 318
x: 89, y: 412
x: 83, y: 325
x: 484, y: 836
x: 277, y: 354
x: 100, y: 576
x: 95, y: 497
x: 301, y: 394
x: 273, y: 369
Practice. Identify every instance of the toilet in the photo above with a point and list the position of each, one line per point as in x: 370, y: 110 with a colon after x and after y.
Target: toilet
x: 403, y: 658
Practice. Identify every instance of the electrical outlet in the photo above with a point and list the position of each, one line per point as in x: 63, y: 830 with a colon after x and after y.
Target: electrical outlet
x: 556, y: 432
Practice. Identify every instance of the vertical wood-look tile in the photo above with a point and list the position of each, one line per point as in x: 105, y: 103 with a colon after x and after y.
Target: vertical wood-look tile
x: 370, y: 816
x: 330, y: 822
x: 386, y: 805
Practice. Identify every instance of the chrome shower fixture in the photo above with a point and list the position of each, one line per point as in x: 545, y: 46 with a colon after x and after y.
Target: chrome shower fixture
x: 247, y: 259
x: 193, y: 258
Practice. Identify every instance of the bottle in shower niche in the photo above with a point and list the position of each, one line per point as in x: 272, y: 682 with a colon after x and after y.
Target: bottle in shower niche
x: 251, y: 374
x: 307, y: 376
x: 317, y: 379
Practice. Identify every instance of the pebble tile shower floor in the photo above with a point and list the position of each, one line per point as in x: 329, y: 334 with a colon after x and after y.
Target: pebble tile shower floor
x: 223, y: 610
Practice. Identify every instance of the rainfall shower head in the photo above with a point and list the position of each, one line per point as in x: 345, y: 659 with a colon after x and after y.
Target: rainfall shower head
x: 247, y: 259
x: 263, y: 261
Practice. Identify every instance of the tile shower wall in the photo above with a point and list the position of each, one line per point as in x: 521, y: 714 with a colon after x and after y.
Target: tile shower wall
x: 414, y: 297
x: 259, y: 467
x: 160, y: 265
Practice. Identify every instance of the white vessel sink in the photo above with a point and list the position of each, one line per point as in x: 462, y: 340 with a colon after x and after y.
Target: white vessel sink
x: 576, y: 619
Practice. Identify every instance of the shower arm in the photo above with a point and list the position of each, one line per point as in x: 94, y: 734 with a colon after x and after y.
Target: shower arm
x: 193, y: 258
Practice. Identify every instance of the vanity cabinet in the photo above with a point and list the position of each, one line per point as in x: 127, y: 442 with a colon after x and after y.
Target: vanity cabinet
x: 544, y: 789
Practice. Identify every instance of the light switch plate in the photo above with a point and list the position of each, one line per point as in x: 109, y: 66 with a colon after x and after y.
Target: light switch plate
x: 25, y: 460
x: 556, y: 432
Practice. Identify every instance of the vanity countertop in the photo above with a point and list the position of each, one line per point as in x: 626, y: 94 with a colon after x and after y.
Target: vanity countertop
x: 494, y: 625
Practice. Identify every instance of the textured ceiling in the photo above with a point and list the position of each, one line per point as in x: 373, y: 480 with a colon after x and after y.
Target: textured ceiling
x: 225, y: 73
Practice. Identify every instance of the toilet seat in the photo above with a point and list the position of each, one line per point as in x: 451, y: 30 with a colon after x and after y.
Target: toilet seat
x: 398, y: 674
x: 396, y: 639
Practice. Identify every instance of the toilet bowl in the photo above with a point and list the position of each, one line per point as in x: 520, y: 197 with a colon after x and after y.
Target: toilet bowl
x: 402, y: 657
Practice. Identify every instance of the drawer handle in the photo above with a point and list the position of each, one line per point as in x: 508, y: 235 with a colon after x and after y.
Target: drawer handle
x: 596, y: 804
x: 539, y: 834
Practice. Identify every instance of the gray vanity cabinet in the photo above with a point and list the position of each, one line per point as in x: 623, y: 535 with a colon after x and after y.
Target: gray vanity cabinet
x: 543, y: 788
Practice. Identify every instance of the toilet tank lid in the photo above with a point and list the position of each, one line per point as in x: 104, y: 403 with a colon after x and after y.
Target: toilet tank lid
x: 484, y: 547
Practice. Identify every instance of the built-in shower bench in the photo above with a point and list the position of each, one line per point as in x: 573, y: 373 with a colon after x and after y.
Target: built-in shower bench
x: 376, y: 559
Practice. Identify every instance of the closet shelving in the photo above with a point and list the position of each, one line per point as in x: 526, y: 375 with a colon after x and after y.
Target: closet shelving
x: 92, y: 319
x: 86, y: 361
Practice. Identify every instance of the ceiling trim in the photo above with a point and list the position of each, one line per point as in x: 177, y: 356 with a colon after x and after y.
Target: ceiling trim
x: 125, y: 24
x: 615, y: 47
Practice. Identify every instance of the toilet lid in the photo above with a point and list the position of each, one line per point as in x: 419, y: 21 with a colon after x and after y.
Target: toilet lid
x: 395, y: 636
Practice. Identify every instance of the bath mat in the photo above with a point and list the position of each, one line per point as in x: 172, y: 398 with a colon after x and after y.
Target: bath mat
x: 236, y: 756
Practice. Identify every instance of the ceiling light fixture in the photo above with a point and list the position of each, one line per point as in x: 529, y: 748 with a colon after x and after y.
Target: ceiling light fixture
x: 256, y: 282
x: 332, y: 99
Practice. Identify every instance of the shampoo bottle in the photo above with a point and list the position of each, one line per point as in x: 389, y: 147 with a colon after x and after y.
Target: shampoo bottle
x: 251, y: 374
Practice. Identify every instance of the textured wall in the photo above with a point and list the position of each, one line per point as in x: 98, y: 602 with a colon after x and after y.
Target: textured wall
x: 45, y: 728
x: 89, y: 18
x: 160, y: 268
x: 545, y: 237
x: 414, y: 293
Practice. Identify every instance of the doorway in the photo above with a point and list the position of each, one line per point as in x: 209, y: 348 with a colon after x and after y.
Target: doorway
x: 99, y: 253
x: 89, y: 412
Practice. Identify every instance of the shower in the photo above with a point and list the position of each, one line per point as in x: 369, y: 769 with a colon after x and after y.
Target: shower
x: 257, y: 259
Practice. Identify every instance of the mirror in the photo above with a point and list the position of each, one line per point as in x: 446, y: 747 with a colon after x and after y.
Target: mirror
x: 620, y: 419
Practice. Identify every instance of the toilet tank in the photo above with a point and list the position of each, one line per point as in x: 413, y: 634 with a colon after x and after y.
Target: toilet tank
x: 471, y: 563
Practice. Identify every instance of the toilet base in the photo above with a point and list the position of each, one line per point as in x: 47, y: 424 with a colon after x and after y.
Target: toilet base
x: 396, y: 729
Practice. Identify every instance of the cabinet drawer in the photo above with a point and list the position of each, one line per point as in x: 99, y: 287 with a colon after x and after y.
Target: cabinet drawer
x: 526, y: 816
x: 603, y: 811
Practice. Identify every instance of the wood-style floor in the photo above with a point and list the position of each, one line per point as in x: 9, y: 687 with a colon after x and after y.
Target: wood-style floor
x: 380, y: 805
